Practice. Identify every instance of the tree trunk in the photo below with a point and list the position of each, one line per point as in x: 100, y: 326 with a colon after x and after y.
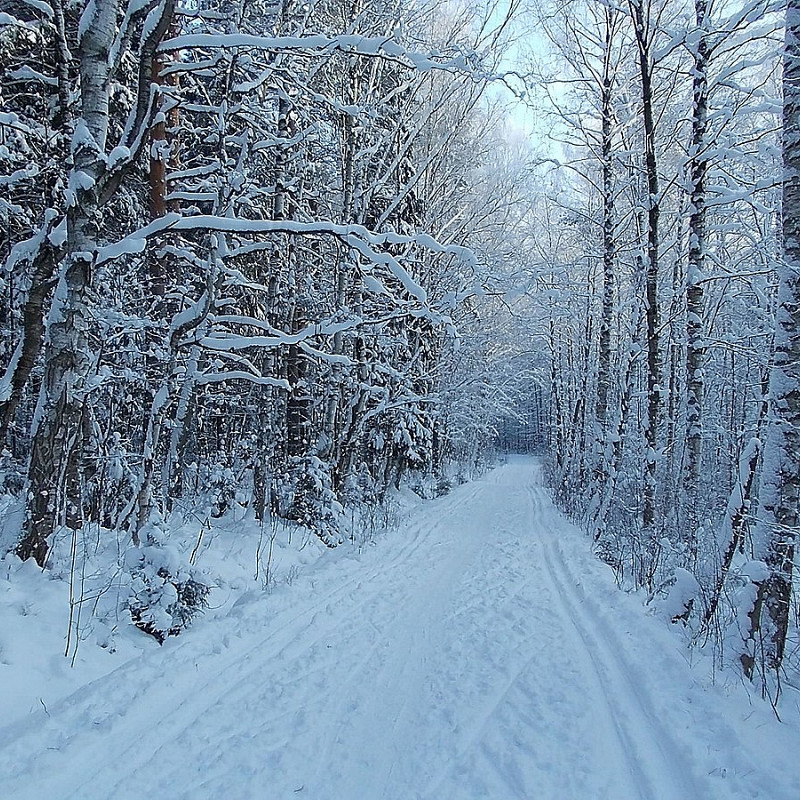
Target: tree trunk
x: 695, y: 303
x: 33, y: 314
x: 46, y: 258
x: 300, y: 401
x: 644, y: 44
x: 780, y: 479
x: 53, y: 473
x: 609, y: 241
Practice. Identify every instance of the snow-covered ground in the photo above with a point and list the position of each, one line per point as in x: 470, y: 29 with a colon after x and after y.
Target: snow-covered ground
x: 480, y: 651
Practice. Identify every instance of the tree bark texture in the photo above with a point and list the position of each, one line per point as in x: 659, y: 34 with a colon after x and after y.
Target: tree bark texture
x: 53, y: 473
x: 780, y: 480
x: 695, y: 301
x: 644, y: 45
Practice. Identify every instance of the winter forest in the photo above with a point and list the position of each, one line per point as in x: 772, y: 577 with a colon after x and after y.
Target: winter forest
x: 280, y: 277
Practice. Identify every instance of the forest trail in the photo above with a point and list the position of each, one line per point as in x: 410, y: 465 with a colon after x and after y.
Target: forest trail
x: 471, y: 655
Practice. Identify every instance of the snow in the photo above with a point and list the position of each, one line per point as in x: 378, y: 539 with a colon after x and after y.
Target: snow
x: 8, y: 376
x: 683, y: 589
x: 235, y: 375
x: 479, y: 650
x: 28, y: 73
x: 117, y: 156
x: 27, y: 249
x: 87, y: 18
x: 44, y: 8
x: 349, y: 43
x: 13, y: 121
x: 59, y: 233
x: 357, y: 236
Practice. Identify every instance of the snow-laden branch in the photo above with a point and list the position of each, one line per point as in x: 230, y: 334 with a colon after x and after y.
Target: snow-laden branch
x: 230, y: 341
x: 352, y: 44
x: 365, y: 241
x: 236, y: 375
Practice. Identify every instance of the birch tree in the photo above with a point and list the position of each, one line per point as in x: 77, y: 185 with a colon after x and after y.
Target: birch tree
x: 204, y: 201
x: 780, y: 479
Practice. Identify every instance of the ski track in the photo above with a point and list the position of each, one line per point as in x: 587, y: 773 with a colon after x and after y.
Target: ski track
x: 651, y: 757
x: 463, y: 660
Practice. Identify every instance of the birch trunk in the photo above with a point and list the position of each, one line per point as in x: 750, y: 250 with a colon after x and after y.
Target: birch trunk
x: 644, y: 45
x: 695, y: 301
x: 53, y: 473
x: 45, y: 260
x: 780, y: 479
x: 609, y: 242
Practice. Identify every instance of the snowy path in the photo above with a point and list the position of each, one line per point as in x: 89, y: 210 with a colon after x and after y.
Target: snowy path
x: 472, y: 658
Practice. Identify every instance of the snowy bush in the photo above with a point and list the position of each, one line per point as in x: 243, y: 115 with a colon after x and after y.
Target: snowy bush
x: 370, y: 509
x: 221, y: 486
x: 313, y: 502
x: 443, y: 486
x: 165, y: 593
x: 676, y: 596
